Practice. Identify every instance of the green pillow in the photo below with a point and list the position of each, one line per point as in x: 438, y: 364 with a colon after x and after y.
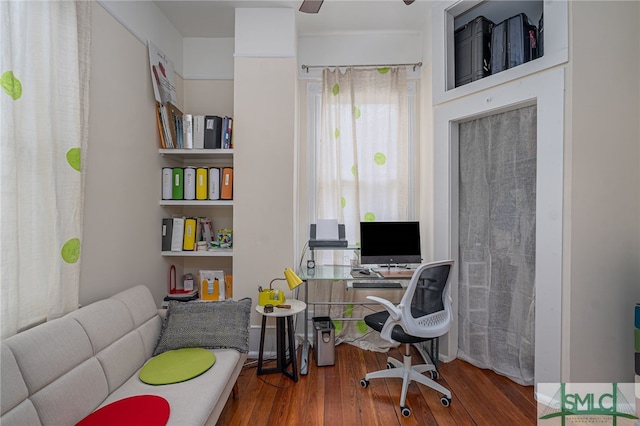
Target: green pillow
x: 177, y: 366
x: 212, y: 325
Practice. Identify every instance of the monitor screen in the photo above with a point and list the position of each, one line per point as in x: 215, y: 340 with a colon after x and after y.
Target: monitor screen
x: 389, y: 243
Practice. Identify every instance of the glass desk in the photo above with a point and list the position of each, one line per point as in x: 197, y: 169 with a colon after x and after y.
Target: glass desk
x: 331, y: 273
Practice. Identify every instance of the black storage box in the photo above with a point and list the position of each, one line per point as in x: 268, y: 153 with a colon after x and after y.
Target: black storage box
x: 473, y: 50
x: 513, y: 42
x: 541, y: 37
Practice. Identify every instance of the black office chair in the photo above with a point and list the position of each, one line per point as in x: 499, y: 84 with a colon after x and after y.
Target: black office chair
x: 424, y: 313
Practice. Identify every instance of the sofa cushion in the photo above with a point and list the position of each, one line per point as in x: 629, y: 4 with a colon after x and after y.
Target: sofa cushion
x: 205, y: 392
x: 149, y: 410
x: 177, y: 366
x: 210, y: 325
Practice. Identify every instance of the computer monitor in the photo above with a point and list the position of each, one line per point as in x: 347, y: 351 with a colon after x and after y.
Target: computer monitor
x: 390, y: 243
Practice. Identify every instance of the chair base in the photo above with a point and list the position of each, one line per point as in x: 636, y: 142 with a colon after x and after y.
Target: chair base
x: 407, y: 372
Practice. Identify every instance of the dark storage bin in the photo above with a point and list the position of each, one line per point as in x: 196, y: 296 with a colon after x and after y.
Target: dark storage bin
x: 513, y: 42
x: 324, y: 341
x: 541, y: 37
x: 473, y: 50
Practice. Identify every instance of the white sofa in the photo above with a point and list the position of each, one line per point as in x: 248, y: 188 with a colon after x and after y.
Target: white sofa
x: 59, y: 372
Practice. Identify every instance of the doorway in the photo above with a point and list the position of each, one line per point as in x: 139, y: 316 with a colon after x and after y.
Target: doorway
x: 546, y: 91
x: 497, y: 242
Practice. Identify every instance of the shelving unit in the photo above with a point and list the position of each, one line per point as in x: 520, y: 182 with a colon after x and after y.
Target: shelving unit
x: 220, y: 211
x: 449, y: 15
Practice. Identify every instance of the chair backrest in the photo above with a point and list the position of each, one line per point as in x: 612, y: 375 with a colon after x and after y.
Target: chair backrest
x: 426, y: 305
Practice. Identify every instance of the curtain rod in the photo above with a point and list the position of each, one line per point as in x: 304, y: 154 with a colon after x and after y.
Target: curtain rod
x: 414, y: 65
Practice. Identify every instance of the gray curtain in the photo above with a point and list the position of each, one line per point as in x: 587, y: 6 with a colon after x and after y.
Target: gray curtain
x: 497, y: 229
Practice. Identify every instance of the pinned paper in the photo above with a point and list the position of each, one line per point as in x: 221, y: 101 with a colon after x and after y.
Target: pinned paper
x: 327, y: 229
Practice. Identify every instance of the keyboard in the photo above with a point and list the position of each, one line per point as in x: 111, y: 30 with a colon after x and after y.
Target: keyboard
x: 376, y: 284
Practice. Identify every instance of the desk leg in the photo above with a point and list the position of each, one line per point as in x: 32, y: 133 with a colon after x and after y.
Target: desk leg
x: 304, y: 357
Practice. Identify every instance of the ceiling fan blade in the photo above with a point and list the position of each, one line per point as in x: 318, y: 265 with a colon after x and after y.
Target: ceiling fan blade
x: 408, y: 2
x: 311, y: 6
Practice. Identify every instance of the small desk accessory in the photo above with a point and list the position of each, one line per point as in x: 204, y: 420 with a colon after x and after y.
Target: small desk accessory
x: 276, y: 297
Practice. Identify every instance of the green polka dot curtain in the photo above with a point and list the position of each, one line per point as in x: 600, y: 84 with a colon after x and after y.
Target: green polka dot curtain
x: 44, y: 76
x: 362, y: 174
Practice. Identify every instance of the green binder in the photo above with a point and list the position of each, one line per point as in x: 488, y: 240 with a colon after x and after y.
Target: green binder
x: 178, y: 183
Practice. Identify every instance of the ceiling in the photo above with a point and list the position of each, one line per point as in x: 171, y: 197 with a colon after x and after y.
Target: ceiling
x: 216, y: 18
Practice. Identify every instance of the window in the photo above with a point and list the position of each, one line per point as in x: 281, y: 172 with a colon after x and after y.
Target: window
x: 362, y: 169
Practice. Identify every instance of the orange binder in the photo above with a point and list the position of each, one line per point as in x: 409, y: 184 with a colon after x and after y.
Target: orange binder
x: 201, y: 183
x: 226, y: 191
x: 228, y: 285
x: 189, y: 234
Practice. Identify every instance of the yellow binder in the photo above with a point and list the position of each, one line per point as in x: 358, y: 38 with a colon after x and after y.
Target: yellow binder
x: 201, y: 183
x: 189, y: 234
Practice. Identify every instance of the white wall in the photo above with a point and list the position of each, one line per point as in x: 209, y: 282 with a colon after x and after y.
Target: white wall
x: 602, y: 190
x: 122, y: 219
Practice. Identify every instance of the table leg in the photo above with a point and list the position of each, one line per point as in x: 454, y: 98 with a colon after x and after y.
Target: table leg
x: 304, y: 357
x: 292, y: 349
x: 261, y: 350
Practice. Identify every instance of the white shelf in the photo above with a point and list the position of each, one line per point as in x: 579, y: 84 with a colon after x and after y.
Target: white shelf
x: 192, y: 154
x: 223, y: 252
x: 202, y: 203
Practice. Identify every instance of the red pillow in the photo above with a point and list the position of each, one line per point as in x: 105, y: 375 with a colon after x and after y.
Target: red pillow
x: 140, y: 410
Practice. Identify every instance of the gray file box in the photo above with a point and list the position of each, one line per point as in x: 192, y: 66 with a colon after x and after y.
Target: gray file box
x: 324, y: 341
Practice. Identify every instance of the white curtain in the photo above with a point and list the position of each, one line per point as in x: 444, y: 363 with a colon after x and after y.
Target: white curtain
x: 362, y: 174
x: 44, y: 75
x: 497, y: 233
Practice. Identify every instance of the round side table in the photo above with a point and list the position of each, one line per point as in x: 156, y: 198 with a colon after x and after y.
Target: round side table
x: 284, y: 332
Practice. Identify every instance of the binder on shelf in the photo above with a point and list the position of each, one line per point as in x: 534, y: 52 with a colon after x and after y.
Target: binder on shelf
x: 167, y: 189
x: 201, y: 183
x: 177, y: 234
x: 166, y: 128
x: 214, y: 183
x: 178, y: 183
x: 188, y: 131
x: 228, y: 286
x: 212, y: 132
x: 175, y: 124
x: 167, y: 231
x: 163, y: 143
x: 198, y: 131
x: 189, y: 241
x: 226, y: 186
x: 226, y: 132
x: 189, y: 183
x: 198, y: 237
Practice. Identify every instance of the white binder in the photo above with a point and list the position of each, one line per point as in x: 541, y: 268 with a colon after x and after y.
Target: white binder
x: 214, y: 183
x: 177, y: 234
x: 189, y: 183
x: 198, y: 131
x: 188, y: 131
x: 167, y: 190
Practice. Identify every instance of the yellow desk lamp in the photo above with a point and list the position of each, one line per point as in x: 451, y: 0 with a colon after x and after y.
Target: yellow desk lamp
x: 276, y: 297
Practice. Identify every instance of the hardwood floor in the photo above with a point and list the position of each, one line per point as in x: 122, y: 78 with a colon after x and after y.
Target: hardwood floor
x: 332, y: 396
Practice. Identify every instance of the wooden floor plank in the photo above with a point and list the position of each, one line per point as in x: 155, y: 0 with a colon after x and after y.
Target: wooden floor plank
x: 333, y: 396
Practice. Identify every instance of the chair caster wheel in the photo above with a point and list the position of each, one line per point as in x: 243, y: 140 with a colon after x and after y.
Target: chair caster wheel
x: 390, y: 366
x: 434, y: 374
x: 406, y: 411
x: 445, y: 401
x: 364, y: 383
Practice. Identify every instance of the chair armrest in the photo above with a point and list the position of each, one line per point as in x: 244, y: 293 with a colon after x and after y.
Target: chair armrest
x: 394, y: 312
